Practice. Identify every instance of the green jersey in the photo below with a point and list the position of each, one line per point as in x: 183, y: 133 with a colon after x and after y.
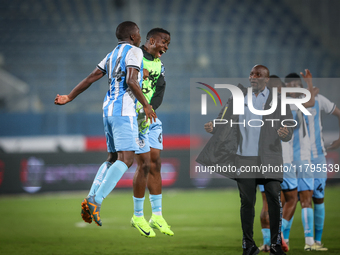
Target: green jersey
x: 154, y: 86
x: 149, y: 84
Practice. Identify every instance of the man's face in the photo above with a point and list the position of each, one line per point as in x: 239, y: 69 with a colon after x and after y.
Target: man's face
x: 258, y: 78
x: 136, y: 37
x: 159, y: 44
x: 295, y: 84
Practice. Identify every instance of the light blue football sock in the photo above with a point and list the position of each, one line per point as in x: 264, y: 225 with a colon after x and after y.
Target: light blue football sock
x: 307, y: 221
x: 284, y: 225
x: 266, y: 236
x: 319, y: 219
x: 138, y: 206
x: 113, y: 175
x: 286, y: 231
x: 99, y: 177
x: 156, y: 204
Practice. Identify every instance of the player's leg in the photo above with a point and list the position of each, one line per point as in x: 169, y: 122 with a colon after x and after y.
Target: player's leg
x: 155, y: 188
x: 101, y: 173
x: 307, y: 214
x: 264, y: 218
x: 288, y: 211
x: 318, y: 199
x: 319, y: 208
x: 139, y: 182
x: 113, y: 175
x: 112, y: 157
x: 290, y: 195
x: 305, y: 191
x: 142, y: 156
x: 154, y: 181
x: 121, y: 134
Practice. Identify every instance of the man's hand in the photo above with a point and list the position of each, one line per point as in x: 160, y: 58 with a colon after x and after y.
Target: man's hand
x: 307, y: 77
x: 283, y: 132
x: 149, y: 113
x: 62, y: 99
x: 208, y: 127
x: 334, y: 145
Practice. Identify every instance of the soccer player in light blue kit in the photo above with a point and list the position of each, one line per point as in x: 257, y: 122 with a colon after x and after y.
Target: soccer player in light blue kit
x: 124, y: 68
x: 299, y: 146
x: 318, y: 159
x: 302, y: 162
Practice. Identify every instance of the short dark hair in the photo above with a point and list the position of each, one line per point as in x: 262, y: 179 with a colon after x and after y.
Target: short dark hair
x: 292, y: 77
x: 125, y: 30
x: 156, y: 30
x: 274, y: 77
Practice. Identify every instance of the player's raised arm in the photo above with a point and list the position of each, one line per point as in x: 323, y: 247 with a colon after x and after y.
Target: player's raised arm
x: 81, y: 87
x: 308, y: 79
x: 132, y: 82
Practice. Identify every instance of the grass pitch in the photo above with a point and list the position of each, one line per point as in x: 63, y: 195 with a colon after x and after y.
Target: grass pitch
x: 204, y: 222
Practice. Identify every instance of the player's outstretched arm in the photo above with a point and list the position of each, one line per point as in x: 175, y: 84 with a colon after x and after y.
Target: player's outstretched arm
x: 335, y: 144
x: 308, y: 79
x: 132, y: 82
x: 81, y: 87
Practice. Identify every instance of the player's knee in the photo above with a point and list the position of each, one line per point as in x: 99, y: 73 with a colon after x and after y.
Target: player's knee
x: 306, y: 203
x: 112, y: 157
x: 145, y: 167
x: 294, y: 199
x: 128, y: 162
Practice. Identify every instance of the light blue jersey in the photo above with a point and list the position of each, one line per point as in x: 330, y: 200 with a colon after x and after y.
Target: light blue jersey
x: 301, y: 141
x: 119, y: 100
x: 315, y: 126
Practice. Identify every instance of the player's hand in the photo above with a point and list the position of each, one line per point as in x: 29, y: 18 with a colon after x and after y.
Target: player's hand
x: 208, y: 127
x: 149, y: 113
x: 62, y: 99
x: 283, y: 132
x: 145, y: 74
x: 307, y: 77
x: 334, y: 145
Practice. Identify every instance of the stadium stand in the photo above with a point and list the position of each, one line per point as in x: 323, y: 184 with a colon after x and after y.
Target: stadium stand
x: 51, y: 45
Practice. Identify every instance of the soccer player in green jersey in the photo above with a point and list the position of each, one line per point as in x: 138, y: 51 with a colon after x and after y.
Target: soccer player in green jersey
x: 148, y: 171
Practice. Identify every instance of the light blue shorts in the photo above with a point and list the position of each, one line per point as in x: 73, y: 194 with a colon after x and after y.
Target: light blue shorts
x: 289, y: 178
x: 261, y: 187
x: 153, y: 138
x: 305, y: 176
x: 121, y: 133
x: 320, y: 177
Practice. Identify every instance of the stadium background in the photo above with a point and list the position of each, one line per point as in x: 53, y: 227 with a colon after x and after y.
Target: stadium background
x: 48, y: 46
